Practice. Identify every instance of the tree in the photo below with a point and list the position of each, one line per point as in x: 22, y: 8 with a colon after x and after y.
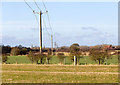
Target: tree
x: 39, y: 57
x: 48, y: 56
x: 20, y: 46
x: 75, y: 44
x: 15, y: 51
x: 31, y: 56
x: 61, y: 57
x: 5, y: 49
x: 36, y: 57
x: 99, y: 55
x: 4, y: 58
x: 84, y: 48
x: 78, y: 56
x: 23, y: 51
x: 64, y: 49
x: 75, y: 51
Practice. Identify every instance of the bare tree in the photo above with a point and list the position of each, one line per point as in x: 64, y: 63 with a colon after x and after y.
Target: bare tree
x: 31, y: 56
x: 4, y: 58
x: 99, y: 55
x: 61, y: 57
x: 75, y: 51
x: 48, y: 56
x: 15, y: 51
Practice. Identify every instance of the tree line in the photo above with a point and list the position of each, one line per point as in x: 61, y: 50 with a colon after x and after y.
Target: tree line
x: 98, y: 53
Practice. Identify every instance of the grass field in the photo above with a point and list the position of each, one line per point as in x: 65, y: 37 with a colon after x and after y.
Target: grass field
x: 55, y: 60
x: 28, y: 73
x: 25, y: 72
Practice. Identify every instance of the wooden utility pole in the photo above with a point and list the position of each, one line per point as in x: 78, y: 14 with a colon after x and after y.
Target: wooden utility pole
x: 52, y: 43
x: 55, y: 45
x: 40, y: 27
x: 40, y: 21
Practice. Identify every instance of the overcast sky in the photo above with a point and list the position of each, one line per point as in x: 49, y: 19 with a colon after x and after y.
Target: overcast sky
x: 86, y: 23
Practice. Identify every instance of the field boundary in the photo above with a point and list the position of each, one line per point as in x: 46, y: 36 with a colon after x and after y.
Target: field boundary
x: 58, y: 65
x: 68, y: 72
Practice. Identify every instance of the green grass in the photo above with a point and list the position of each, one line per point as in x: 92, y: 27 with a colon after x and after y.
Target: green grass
x: 55, y: 60
x: 59, y: 68
x: 58, y: 78
x: 61, y: 74
x: 25, y: 72
x: 18, y: 60
x: 114, y: 60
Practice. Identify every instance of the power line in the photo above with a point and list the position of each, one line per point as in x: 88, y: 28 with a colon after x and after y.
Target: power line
x: 33, y: 11
x: 43, y: 18
x: 40, y: 10
x: 41, y: 23
x: 36, y: 18
x: 45, y: 26
x: 47, y: 16
x: 49, y: 23
x: 29, y: 6
x: 50, y: 26
x: 44, y: 5
x: 37, y: 5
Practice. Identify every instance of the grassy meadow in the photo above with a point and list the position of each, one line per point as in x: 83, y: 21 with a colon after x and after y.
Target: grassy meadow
x: 55, y: 60
x: 19, y: 69
x: 28, y: 73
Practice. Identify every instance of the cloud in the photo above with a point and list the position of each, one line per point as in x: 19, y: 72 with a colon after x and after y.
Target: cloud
x: 43, y: 28
x: 96, y: 32
x: 89, y: 28
x: 34, y: 29
x: 10, y: 40
x: 87, y: 36
x: 93, y: 36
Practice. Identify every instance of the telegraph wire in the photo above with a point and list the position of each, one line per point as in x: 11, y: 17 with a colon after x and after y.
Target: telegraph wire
x: 36, y: 18
x: 45, y: 26
x: 29, y: 6
x: 40, y: 10
x: 37, y: 5
x: 49, y: 22
x: 44, y: 5
x: 43, y: 18
x: 47, y: 16
x: 32, y: 11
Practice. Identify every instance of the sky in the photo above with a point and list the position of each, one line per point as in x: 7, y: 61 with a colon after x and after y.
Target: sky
x: 85, y: 23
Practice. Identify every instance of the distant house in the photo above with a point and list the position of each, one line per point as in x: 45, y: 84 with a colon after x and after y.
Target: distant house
x: 110, y: 47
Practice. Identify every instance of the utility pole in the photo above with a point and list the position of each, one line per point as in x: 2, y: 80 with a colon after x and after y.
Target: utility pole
x: 40, y: 21
x: 40, y: 27
x: 55, y: 45
x: 52, y: 43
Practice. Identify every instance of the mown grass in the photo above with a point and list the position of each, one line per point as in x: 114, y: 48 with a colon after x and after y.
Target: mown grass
x: 33, y: 74
x: 58, y: 68
x: 58, y: 78
x: 55, y: 60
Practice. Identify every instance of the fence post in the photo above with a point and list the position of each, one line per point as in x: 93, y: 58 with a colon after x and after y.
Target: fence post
x: 74, y: 60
